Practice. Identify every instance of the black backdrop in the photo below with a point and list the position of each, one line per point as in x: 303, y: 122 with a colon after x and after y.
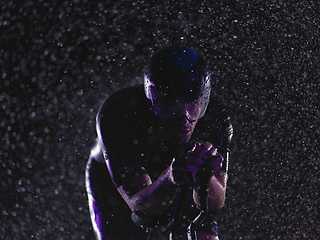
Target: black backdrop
x: 60, y: 60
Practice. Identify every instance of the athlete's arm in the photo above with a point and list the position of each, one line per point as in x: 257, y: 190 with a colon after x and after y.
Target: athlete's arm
x: 150, y: 198
x: 217, y: 189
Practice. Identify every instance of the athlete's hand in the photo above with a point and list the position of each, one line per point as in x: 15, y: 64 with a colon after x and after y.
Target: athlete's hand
x: 203, y: 157
x: 212, y: 159
x: 186, y: 165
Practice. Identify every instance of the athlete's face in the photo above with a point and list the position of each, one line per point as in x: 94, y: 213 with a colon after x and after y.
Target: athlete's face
x: 178, y: 119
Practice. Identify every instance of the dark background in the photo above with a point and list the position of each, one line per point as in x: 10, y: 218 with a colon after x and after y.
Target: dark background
x: 60, y: 60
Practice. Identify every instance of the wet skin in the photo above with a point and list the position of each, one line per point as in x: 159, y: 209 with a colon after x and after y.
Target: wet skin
x: 178, y: 131
x: 177, y: 124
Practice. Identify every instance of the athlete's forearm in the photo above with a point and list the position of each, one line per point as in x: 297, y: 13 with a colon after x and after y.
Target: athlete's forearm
x: 217, y: 191
x: 156, y: 197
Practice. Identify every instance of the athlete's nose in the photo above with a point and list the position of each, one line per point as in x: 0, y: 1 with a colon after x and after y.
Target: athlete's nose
x: 183, y: 112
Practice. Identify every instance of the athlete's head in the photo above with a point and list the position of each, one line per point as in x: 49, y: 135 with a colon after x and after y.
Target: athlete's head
x: 177, y: 84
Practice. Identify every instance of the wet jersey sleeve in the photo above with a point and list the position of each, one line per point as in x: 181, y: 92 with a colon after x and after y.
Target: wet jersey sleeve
x: 119, y: 129
x: 216, y: 127
x: 225, y: 131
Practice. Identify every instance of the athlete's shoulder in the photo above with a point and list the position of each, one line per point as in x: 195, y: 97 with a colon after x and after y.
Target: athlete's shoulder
x: 217, y: 117
x: 122, y: 112
x: 216, y: 109
x: 123, y: 99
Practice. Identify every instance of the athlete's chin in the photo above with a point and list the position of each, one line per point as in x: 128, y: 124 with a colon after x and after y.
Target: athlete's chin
x: 184, y: 140
x: 183, y: 137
